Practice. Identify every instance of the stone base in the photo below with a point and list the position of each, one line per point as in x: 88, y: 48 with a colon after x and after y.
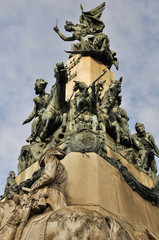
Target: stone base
x: 95, y: 184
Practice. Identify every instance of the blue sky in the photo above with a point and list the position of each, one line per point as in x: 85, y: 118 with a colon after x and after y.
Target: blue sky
x: 30, y: 49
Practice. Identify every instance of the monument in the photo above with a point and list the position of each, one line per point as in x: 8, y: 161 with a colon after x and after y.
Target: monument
x: 82, y: 174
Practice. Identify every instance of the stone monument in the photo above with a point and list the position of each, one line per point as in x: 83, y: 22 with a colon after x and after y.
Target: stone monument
x: 83, y: 175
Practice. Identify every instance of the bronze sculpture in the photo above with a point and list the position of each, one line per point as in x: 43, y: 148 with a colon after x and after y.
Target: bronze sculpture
x: 92, y: 42
x: 145, y: 144
x: 40, y: 104
x: 47, y: 109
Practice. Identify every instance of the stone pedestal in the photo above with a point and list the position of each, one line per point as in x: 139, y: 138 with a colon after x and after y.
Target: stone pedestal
x: 85, y: 69
x: 95, y: 184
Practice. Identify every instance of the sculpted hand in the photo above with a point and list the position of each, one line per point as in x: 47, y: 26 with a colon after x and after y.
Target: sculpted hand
x: 56, y: 29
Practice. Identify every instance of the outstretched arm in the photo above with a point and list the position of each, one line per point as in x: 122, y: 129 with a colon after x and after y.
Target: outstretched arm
x: 31, y: 116
x: 62, y: 36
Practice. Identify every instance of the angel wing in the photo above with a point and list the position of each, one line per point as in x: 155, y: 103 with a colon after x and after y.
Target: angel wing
x: 92, y: 18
